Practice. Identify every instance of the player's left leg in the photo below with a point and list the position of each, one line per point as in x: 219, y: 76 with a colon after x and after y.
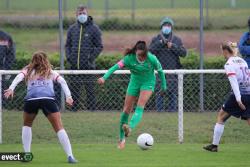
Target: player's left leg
x: 218, y: 131
x: 142, y: 101
x: 28, y: 119
x: 55, y: 120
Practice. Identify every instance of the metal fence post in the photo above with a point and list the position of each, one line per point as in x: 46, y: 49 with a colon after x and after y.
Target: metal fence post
x: 172, y: 3
x: 60, y: 9
x: 89, y: 4
x: 207, y: 13
x: 201, y: 57
x: 7, y: 4
x: 1, y: 111
x: 106, y: 9
x: 65, y: 7
x: 180, y: 108
x: 133, y: 10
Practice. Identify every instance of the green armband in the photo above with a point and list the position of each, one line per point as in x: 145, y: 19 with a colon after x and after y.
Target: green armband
x: 163, y: 80
x: 111, y: 71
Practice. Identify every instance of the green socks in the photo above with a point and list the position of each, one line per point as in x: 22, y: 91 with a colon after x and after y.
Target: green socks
x: 136, y: 117
x: 123, y: 120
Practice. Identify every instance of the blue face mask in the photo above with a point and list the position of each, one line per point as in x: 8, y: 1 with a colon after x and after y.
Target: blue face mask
x: 166, y: 30
x: 82, y: 18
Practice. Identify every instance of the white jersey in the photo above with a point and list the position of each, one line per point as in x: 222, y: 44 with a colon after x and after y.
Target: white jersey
x: 237, y: 68
x: 40, y: 87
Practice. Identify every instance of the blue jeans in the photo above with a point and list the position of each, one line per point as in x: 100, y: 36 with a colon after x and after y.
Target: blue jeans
x: 172, y: 95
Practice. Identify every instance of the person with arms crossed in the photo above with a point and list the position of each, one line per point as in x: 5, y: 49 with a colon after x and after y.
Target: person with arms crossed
x: 142, y: 65
x: 39, y: 77
x: 238, y: 103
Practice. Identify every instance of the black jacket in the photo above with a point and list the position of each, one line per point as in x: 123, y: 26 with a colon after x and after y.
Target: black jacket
x: 81, y: 55
x: 168, y: 57
x: 7, y: 51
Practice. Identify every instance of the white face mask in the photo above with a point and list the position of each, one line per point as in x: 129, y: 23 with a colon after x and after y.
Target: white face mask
x: 82, y: 18
x: 166, y: 30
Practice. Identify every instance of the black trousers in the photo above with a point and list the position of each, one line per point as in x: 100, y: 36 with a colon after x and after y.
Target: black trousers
x: 84, y: 100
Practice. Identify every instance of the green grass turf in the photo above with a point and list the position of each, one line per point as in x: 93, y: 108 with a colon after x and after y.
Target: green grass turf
x: 161, y: 155
x: 102, y: 127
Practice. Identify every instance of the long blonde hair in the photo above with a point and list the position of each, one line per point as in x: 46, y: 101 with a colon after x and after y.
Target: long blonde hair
x: 231, y: 47
x: 40, y: 65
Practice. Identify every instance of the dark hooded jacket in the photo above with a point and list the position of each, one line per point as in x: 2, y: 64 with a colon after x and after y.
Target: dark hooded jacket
x: 83, y: 45
x: 168, y: 57
x: 7, y: 51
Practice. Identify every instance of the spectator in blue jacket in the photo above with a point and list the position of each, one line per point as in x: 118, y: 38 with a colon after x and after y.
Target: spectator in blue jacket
x: 244, y: 45
x: 83, y: 45
x: 168, y: 48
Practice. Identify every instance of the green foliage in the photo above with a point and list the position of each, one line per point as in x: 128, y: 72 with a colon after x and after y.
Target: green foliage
x: 191, y: 61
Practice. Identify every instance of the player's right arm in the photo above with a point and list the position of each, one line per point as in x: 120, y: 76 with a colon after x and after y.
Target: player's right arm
x: 19, y: 78
x: 115, y: 67
x: 231, y: 74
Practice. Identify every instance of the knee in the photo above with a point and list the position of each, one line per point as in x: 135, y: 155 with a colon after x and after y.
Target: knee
x: 222, y: 118
x: 29, y: 124
x: 127, y: 110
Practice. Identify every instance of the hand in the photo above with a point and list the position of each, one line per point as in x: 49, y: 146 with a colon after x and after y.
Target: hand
x: 162, y: 92
x: 241, y: 105
x: 69, y: 101
x: 169, y: 44
x: 8, y: 93
x: 101, y: 81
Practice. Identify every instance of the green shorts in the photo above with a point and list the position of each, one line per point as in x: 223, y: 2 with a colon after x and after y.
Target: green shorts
x: 134, y: 88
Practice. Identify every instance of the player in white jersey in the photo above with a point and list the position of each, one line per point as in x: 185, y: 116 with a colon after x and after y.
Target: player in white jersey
x: 238, y: 103
x: 39, y: 77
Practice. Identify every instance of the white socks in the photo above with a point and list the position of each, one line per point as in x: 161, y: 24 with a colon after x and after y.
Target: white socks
x: 218, y: 131
x: 64, y: 140
x: 26, y: 138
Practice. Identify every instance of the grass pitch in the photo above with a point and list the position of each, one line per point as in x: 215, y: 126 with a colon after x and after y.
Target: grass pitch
x: 94, y: 140
x: 161, y: 155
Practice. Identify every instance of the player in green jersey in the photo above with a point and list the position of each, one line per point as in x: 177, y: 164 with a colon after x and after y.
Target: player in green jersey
x: 142, y: 65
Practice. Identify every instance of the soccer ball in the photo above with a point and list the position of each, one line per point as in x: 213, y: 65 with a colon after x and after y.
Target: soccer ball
x: 145, y: 141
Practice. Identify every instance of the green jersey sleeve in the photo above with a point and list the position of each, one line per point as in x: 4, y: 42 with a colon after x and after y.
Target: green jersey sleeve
x: 158, y: 68
x: 119, y: 65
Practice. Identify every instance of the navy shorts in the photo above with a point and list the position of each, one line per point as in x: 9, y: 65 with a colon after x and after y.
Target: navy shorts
x: 231, y: 107
x: 46, y: 105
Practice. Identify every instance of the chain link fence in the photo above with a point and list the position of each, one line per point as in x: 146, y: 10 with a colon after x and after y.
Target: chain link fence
x: 89, y: 96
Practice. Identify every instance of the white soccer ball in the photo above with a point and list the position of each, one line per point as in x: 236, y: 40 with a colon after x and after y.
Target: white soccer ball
x: 145, y: 141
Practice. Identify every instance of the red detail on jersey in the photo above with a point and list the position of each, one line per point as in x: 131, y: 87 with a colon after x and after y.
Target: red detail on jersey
x: 23, y: 73
x: 230, y: 74
x: 57, y: 77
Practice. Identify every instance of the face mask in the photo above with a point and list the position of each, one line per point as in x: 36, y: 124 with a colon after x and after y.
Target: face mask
x: 82, y: 18
x: 166, y: 30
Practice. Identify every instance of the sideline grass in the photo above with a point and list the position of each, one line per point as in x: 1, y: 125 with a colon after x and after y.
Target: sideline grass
x: 102, y: 127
